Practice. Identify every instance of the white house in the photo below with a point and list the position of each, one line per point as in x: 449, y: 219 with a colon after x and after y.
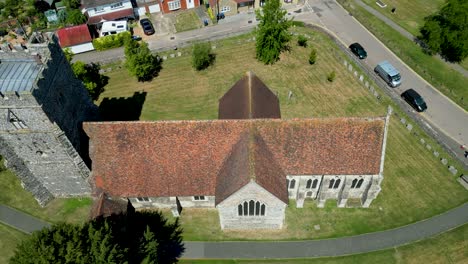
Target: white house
x: 99, y: 11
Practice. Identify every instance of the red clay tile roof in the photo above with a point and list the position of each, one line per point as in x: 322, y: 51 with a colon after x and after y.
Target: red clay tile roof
x: 249, y: 98
x: 124, y: 13
x: 186, y: 158
x: 104, y: 206
x: 72, y: 36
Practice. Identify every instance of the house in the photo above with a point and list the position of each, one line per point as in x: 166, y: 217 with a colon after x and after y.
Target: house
x: 76, y: 38
x: 168, y: 6
x: 232, y: 7
x: 247, y: 164
x: 99, y: 11
x: 148, y: 6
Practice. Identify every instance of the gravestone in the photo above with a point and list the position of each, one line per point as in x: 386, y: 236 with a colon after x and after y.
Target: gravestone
x: 428, y: 147
x: 361, y: 78
x: 453, y: 170
x: 403, y: 121
x: 444, y: 161
x: 172, y: 55
x: 409, y: 127
x: 436, y: 153
x: 350, y: 67
x: 367, y: 84
x: 164, y: 57
x: 422, y: 141
x: 179, y: 54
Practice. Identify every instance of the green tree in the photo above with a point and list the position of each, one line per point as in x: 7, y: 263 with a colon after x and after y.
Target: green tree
x: 446, y: 32
x: 140, y: 62
x: 139, y: 237
x: 202, y: 56
x: 272, y: 32
x: 313, y: 56
x: 75, y: 17
x: 71, y: 4
x: 91, y: 78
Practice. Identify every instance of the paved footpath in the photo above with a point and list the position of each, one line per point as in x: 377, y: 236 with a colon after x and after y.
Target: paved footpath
x: 290, y: 249
x: 20, y: 220
x: 406, y: 34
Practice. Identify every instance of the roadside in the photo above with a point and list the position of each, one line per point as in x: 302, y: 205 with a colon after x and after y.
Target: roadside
x: 21, y: 221
x: 408, y: 35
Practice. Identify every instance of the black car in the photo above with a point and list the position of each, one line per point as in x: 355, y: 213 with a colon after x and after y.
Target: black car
x: 147, y: 26
x: 414, y: 99
x: 358, y: 50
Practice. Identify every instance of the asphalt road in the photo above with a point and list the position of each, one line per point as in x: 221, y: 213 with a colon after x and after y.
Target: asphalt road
x: 449, y: 119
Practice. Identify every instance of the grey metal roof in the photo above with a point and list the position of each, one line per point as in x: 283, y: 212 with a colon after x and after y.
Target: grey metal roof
x: 18, y: 75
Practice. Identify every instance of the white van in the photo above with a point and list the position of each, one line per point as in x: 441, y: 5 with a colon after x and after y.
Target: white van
x: 388, y: 73
x: 113, y: 27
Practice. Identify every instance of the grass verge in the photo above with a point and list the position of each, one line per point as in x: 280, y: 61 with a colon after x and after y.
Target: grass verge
x: 441, y: 76
x: 9, y: 238
x: 416, y: 184
x: 72, y: 210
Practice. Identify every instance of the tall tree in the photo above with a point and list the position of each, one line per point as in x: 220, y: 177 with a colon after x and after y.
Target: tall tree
x: 142, y: 237
x: 140, y: 62
x: 91, y: 78
x: 272, y: 32
x: 447, y: 31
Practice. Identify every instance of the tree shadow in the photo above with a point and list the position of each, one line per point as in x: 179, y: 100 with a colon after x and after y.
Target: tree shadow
x: 122, y: 108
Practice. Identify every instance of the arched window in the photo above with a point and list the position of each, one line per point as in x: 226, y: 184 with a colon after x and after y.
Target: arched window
x: 251, y: 208
x: 314, y: 185
x: 332, y: 181
x: 292, y: 183
x: 353, y: 184
x: 337, y: 183
x: 309, y: 183
x: 359, y: 183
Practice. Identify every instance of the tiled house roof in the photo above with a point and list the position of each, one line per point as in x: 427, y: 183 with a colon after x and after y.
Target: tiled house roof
x: 187, y: 158
x: 75, y: 35
x: 105, y: 206
x: 249, y: 98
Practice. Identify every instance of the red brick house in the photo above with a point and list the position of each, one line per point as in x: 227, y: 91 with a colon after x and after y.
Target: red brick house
x: 247, y: 164
x: 168, y: 6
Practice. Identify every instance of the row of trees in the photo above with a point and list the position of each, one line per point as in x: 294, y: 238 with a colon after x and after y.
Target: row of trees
x: 446, y: 32
x: 139, y: 237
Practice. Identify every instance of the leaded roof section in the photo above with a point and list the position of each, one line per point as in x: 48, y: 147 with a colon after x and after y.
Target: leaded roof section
x: 18, y: 75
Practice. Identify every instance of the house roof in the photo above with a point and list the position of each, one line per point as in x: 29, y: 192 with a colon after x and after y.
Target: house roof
x: 18, y: 75
x: 95, y: 3
x: 187, y: 158
x: 249, y: 98
x: 116, y: 15
x: 72, y: 36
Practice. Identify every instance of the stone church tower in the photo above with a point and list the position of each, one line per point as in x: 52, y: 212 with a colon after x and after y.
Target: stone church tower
x: 42, y: 107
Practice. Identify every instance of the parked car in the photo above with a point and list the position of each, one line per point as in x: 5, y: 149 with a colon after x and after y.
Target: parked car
x: 136, y: 38
x: 358, y: 50
x: 414, y: 99
x: 147, y: 26
x: 388, y: 73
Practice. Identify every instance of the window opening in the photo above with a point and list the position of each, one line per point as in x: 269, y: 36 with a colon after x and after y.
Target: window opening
x: 143, y: 199
x: 309, y: 183
x: 359, y: 183
x: 199, y: 198
x: 314, y: 184
x: 332, y: 181
x: 353, y: 184
x: 337, y: 183
x: 292, y: 184
x: 251, y: 208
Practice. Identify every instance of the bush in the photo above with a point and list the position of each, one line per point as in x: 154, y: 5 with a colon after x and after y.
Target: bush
x: 331, y: 76
x: 302, y: 41
x: 111, y: 41
x: 313, y: 56
x: 202, y: 56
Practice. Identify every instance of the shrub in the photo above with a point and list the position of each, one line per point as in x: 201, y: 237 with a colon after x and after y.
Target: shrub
x: 202, y: 56
x: 302, y: 41
x: 331, y: 76
x: 313, y: 56
x: 111, y: 41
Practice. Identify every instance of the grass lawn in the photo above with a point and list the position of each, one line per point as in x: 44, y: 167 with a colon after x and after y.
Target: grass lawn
x: 450, y: 247
x: 416, y: 185
x: 9, y: 238
x: 73, y: 210
x: 441, y: 76
x: 187, y: 20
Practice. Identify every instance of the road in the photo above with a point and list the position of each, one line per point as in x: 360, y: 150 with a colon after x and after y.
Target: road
x: 449, y: 119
